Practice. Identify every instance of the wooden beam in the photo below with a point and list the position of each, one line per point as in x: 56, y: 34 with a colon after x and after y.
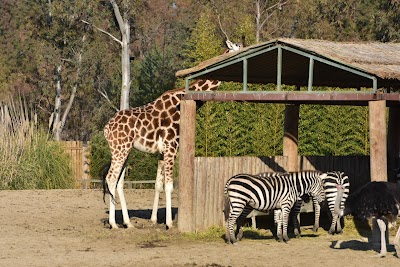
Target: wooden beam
x: 290, y: 137
x: 186, y: 166
x: 378, y: 137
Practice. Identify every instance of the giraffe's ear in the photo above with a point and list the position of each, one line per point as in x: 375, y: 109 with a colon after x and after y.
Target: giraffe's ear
x: 229, y: 44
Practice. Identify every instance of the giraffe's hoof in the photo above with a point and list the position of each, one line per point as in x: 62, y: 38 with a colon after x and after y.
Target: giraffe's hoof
x: 153, y: 221
x: 380, y: 255
x: 114, y: 226
x: 129, y: 225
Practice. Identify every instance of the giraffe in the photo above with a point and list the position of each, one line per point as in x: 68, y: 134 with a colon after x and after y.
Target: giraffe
x: 152, y: 128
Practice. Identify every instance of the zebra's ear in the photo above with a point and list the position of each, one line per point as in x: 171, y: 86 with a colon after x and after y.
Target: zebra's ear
x: 323, y: 176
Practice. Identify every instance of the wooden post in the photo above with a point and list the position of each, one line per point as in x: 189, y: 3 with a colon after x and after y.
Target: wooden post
x: 378, y: 137
x: 290, y: 138
x: 186, y: 166
x: 393, y: 142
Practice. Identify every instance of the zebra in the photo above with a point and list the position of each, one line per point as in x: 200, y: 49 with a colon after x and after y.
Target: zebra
x: 296, y: 208
x: 245, y: 192
x: 336, y: 181
x: 333, y: 181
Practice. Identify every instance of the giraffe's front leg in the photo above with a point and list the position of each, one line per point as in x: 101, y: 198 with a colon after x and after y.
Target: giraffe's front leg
x: 158, y: 190
x: 169, y: 187
x: 169, y: 160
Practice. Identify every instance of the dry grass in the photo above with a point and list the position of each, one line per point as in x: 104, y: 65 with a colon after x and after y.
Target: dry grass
x: 28, y: 159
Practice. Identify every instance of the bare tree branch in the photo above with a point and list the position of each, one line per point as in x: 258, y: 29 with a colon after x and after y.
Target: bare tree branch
x: 103, y: 31
x: 219, y: 19
x: 104, y: 94
x: 277, y: 5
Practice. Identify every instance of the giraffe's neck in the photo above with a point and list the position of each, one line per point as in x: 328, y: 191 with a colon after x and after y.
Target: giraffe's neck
x: 174, y: 96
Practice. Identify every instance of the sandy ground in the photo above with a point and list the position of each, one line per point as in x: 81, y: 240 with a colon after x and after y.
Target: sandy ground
x: 68, y: 228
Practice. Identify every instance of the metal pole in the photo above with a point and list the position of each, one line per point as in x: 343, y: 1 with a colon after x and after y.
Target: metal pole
x: 245, y: 74
x: 187, y: 84
x: 279, y: 70
x: 310, y: 74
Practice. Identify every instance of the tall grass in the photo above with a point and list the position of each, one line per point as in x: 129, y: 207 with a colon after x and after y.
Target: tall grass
x: 28, y: 159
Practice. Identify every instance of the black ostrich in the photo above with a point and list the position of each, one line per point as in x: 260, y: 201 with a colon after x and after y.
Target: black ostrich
x: 380, y: 200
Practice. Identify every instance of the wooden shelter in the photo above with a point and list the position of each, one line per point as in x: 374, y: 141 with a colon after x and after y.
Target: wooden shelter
x: 361, y: 74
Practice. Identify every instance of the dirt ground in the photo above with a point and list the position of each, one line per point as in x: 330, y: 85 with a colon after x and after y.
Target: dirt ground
x: 68, y: 228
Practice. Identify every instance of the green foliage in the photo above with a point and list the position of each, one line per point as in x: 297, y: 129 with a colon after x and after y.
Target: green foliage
x: 203, y: 43
x: 155, y: 75
x: 333, y: 130
x: 28, y: 158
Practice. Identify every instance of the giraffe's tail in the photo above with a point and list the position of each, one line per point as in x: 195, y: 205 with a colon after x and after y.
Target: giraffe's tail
x: 106, y: 190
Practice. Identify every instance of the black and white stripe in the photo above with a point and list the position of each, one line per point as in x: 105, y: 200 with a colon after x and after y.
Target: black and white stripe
x: 336, y: 180
x: 331, y: 182
x: 245, y: 192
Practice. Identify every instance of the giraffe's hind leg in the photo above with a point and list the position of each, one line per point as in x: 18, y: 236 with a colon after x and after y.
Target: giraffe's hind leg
x: 114, y: 176
x: 120, y: 189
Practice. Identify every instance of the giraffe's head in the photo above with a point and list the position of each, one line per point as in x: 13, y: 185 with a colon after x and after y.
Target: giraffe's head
x: 232, y: 47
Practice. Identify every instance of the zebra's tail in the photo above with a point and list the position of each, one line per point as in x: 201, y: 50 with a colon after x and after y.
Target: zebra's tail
x: 227, y: 202
x: 338, y: 201
x: 227, y: 207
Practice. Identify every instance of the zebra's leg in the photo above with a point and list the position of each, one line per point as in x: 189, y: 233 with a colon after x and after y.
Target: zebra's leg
x: 317, y: 211
x: 278, y: 223
x: 396, y: 243
x: 158, y: 190
x: 382, y: 227
x: 285, y: 219
x: 339, y: 226
x: 234, y: 213
x: 240, y: 221
x: 332, y: 229
x: 296, y: 212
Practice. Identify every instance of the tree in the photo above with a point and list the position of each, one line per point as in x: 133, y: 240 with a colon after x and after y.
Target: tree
x: 264, y: 10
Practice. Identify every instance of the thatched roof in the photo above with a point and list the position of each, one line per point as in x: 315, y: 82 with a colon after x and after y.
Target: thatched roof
x: 381, y: 60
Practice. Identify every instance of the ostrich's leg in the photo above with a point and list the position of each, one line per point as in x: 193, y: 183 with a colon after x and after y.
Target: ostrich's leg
x: 382, y: 228
x: 396, y: 243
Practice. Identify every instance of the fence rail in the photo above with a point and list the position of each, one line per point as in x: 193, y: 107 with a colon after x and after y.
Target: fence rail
x: 127, y: 184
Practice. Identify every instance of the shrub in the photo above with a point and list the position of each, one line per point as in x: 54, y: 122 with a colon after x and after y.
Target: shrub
x: 28, y: 159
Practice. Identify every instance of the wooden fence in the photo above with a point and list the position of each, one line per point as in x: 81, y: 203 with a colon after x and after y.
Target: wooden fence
x: 211, y: 175
x: 78, y: 151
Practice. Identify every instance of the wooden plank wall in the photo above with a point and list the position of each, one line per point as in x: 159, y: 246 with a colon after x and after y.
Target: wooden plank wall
x: 211, y: 175
x: 77, y: 150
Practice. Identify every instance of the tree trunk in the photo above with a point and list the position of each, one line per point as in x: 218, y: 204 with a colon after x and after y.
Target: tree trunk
x: 124, y: 28
x: 57, y: 106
